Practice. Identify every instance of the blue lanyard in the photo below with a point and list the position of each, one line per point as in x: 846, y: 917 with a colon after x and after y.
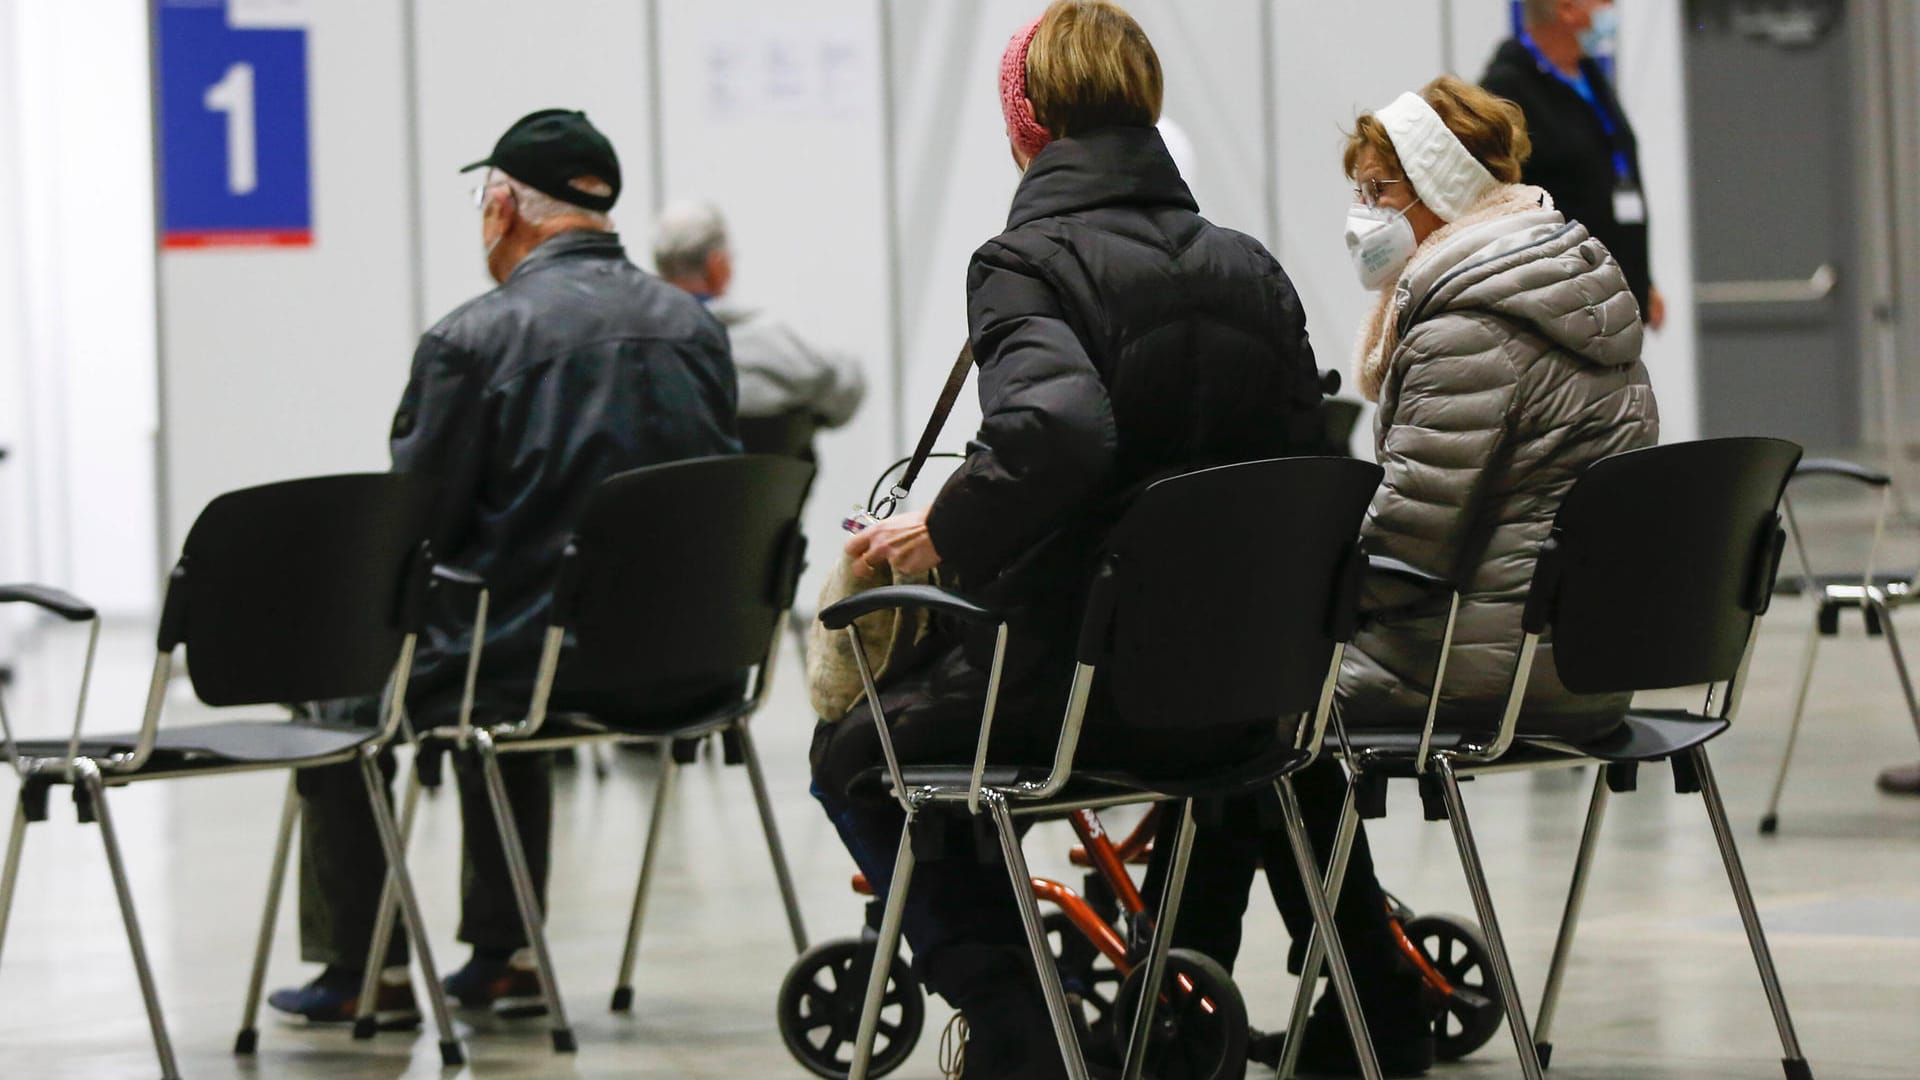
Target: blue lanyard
x: 1583, y: 86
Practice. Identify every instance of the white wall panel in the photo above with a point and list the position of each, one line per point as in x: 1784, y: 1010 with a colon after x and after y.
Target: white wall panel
x: 1317, y: 98
x: 775, y: 116
x: 288, y: 362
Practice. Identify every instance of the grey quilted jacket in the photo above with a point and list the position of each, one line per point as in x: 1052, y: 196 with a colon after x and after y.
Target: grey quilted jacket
x: 1517, y: 365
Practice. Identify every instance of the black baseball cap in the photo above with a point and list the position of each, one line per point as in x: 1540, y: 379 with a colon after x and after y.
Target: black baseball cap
x: 547, y: 149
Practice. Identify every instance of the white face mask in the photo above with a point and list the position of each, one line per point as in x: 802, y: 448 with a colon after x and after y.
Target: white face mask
x: 1380, y: 242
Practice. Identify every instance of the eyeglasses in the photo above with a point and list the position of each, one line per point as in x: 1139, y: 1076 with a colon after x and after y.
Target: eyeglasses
x: 1367, y: 192
x: 480, y: 195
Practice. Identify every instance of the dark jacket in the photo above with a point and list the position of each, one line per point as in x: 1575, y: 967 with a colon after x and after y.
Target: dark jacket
x: 1119, y: 336
x: 1572, y: 155
x: 580, y: 366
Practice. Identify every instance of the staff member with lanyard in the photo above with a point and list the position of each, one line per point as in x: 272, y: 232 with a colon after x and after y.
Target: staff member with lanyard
x: 1584, y: 151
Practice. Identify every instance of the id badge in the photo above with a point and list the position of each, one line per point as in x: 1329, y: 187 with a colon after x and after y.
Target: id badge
x: 1629, y: 205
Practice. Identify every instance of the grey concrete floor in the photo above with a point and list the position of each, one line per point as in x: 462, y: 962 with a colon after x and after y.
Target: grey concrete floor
x: 1662, y: 985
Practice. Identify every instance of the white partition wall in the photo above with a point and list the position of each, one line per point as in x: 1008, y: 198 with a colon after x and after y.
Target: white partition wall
x: 858, y: 151
x: 285, y: 362
x: 773, y: 113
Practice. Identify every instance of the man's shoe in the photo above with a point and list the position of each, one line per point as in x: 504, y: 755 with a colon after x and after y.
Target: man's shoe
x: 334, y: 998
x: 1400, y: 1018
x: 510, y: 987
x: 1901, y: 780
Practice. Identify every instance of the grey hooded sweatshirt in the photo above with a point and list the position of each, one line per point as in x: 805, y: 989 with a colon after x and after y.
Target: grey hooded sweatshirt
x: 1511, y: 362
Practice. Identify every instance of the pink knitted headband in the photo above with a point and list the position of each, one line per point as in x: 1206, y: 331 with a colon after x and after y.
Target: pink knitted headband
x: 1022, y: 126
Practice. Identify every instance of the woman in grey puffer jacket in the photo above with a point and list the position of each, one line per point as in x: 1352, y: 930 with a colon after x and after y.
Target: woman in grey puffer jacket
x: 1505, y: 357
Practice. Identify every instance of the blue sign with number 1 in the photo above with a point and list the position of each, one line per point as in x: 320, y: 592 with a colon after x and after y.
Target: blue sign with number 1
x: 234, y: 139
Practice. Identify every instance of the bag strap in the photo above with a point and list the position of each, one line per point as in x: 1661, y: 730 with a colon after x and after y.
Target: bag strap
x: 949, y: 394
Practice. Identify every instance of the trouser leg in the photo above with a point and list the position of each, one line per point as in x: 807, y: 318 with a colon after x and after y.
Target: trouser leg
x: 342, y: 867
x: 1225, y: 856
x: 1361, y: 913
x: 489, y: 916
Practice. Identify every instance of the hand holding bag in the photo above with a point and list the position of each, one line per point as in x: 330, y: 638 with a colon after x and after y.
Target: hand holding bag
x: 893, y: 641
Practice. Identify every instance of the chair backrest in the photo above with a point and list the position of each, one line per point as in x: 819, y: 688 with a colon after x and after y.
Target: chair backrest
x: 681, y: 570
x: 1229, y: 590
x: 787, y: 434
x: 298, y: 591
x: 1659, y: 562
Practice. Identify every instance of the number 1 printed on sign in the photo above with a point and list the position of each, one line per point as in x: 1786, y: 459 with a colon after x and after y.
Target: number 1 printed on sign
x: 233, y: 95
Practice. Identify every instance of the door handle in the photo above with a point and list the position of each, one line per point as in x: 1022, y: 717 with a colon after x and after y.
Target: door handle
x: 1814, y: 289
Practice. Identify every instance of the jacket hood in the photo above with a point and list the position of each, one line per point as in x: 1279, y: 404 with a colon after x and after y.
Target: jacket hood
x: 1537, y: 269
x: 1110, y: 166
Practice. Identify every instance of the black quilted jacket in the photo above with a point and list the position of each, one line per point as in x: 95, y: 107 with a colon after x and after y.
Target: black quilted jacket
x: 1120, y: 336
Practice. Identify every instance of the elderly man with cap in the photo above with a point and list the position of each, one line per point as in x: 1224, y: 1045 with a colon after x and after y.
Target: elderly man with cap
x: 579, y: 365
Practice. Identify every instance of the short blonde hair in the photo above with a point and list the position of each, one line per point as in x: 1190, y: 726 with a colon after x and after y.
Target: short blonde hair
x: 1493, y: 130
x: 1090, y: 66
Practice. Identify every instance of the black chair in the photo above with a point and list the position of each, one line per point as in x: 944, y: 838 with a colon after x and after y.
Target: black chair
x: 1191, y: 632
x: 1874, y: 592
x: 787, y: 434
x: 677, y: 573
x: 297, y: 591
x: 1659, y: 566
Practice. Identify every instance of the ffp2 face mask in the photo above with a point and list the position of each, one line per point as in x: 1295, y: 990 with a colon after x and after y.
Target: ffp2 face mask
x: 1380, y: 242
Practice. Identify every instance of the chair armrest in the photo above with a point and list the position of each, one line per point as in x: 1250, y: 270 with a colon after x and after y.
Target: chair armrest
x: 1844, y: 470
x: 890, y: 597
x: 458, y: 578
x: 1405, y: 572
x: 61, y: 603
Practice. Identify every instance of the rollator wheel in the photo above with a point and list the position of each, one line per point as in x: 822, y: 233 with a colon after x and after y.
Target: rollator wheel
x: 820, y: 1010
x: 1199, y: 1027
x: 1089, y: 978
x: 1472, y: 1013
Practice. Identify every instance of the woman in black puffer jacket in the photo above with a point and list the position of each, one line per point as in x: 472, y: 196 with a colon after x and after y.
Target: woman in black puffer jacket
x: 1120, y: 337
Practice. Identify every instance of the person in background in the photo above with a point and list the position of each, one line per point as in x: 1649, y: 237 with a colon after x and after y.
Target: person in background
x: 1584, y: 151
x: 783, y: 377
x: 578, y: 366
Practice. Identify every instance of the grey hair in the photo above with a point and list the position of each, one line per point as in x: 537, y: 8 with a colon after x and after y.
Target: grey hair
x: 1540, y: 11
x: 686, y: 235
x: 537, y: 207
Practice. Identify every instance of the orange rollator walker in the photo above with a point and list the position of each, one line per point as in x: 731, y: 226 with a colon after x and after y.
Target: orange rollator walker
x: 1200, y: 1036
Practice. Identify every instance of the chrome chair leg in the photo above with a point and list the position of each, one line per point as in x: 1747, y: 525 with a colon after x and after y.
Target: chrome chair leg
x: 1336, y: 879
x: 884, y: 951
x: 795, y: 924
x: 366, y: 1023
x: 1325, y: 929
x: 89, y: 776
x: 249, y: 1038
x: 1576, y: 896
x: 1794, y: 1061
x: 1044, y: 964
x: 451, y: 1053
x: 1489, y: 922
x: 662, y: 798
x: 531, y: 917
x: 16, y: 842
x: 1770, y: 821
x: 1899, y: 659
x: 1140, y: 1035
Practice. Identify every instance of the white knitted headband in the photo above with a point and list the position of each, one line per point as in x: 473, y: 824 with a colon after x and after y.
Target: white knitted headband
x: 1448, y: 178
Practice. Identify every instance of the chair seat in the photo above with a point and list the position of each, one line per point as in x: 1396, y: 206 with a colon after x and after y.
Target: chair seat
x: 1643, y: 735
x: 571, y: 728
x: 224, y: 743
x: 1844, y: 589
x: 1095, y: 784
